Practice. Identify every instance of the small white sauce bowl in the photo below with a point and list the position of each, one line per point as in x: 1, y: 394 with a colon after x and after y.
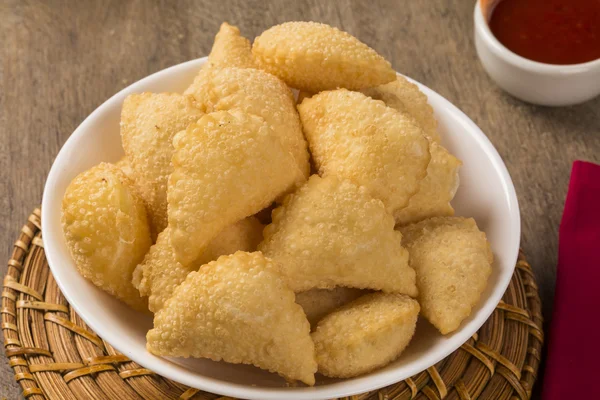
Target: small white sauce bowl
x: 531, y: 81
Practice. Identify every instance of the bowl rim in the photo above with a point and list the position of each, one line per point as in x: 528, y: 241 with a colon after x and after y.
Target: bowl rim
x: 482, y: 29
x: 180, y: 374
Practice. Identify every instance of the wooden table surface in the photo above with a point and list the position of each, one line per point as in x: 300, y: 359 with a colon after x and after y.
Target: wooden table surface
x: 60, y: 60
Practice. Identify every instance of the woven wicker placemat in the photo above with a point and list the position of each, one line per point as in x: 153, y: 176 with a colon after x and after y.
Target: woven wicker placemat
x: 55, y: 356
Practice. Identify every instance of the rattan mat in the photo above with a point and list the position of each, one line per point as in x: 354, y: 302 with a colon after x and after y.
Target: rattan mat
x: 55, y: 356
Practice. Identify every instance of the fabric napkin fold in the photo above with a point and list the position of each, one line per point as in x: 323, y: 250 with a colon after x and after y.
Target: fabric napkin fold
x: 572, y: 370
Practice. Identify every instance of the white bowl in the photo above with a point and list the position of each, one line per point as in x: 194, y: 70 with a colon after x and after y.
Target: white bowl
x: 486, y: 193
x: 531, y: 81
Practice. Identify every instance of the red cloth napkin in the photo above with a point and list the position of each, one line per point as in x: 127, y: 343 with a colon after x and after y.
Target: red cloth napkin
x: 572, y: 370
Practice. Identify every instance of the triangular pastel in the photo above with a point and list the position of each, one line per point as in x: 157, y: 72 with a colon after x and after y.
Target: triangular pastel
x: 351, y: 136
x: 453, y: 261
x: 239, y: 310
x: 227, y: 166
x: 333, y: 233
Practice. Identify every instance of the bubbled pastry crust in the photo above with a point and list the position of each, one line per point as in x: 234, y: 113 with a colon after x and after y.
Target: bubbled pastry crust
x: 227, y: 166
x: 230, y: 49
x: 333, y: 233
x: 106, y: 229
x: 149, y: 121
x: 259, y: 93
x: 354, y: 137
x: 453, y: 261
x: 317, y: 303
x: 365, y: 334
x: 160, y: 272
x: 239, y: 310
x: 436, y: 191
x: 405, y: 96
x: 313, y: 57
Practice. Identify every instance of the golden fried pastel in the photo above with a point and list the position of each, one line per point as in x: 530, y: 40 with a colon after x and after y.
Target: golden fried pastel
x: 333, y: 233
x: 453, y: 261
x: 366, y: 334
x: 239, y: 310
x: 354, y: 137
x: 226, y: 167
x: 106, y: 229
x: 311, y: 56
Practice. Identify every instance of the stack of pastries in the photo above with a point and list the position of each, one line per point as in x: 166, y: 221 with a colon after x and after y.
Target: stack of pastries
x: 298, y: 233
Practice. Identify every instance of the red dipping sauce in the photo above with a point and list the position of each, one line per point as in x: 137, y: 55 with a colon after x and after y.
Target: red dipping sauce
x: 549, y: 31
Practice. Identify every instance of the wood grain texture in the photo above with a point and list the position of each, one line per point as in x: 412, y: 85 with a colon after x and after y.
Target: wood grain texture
x: 60, y: 60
